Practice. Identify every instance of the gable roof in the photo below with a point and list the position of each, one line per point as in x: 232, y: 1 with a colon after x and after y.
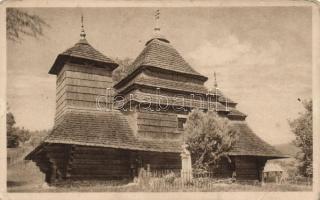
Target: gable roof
x: 84, y: 51
x: 272, y: 167
x: 160, y: 54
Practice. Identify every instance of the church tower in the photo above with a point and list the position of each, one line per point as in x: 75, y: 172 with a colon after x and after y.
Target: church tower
x: 162, y: 88
x: 83, y: 74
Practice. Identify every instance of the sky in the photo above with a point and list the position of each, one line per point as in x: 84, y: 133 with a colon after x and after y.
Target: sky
x: 262, y: 57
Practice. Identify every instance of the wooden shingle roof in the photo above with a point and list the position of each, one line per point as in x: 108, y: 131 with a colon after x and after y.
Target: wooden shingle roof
x: 111, y: 129
x: 82, y: 50
x: 154, y: 82
x: 249, y: 144
x: 160, y: 54
x: 272, y: 167
x: 104, y: 129
x: 224, y: 99
x: 235, y: 112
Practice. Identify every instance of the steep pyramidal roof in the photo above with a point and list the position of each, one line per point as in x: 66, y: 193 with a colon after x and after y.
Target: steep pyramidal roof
x: 82, y: 50
x: 160, y: 54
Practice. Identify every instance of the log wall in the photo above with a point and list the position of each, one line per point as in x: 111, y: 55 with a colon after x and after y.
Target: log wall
x: 74, y: 162
x: 247, y: 168
x: 224, y: 169
x: 79, y: 162
x: 99, y: 163
x: 58, y: 155
x: 160, y: 161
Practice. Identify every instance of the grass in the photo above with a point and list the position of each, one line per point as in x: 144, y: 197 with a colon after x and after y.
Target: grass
x: 30, y: 180
x: 271, y: 187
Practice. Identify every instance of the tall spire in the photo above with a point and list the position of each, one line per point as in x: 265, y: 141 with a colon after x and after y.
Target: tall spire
x: 82, y: 34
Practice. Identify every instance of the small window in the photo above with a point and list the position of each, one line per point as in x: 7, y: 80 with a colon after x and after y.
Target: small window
x: 181, y: 122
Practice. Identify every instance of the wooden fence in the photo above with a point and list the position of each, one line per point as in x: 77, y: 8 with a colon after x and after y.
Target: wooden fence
x: 174, y: 180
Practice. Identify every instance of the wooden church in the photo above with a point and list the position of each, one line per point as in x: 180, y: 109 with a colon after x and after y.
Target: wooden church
x: 146, y: 130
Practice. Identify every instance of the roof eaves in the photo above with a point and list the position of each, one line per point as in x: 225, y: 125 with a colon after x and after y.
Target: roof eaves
x: 113, y: 146
x: 271, y: 156
x: 131, y: 75
x: 35, y: 151
x: 62, y: 58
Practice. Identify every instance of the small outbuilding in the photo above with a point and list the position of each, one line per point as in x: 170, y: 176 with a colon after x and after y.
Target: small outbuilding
x: 273, y: 172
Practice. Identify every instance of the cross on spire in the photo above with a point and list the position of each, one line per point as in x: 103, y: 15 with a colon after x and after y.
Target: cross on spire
x: 157, y: 18
x: 83, y: 33
x: 156, y: 31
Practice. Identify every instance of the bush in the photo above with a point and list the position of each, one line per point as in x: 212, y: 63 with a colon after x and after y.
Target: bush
x: 302, y: 128
x: 12, y: 141
x: 169, y: 178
